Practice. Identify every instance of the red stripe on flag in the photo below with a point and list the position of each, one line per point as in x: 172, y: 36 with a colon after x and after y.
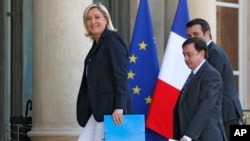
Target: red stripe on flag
x: 160, y: 115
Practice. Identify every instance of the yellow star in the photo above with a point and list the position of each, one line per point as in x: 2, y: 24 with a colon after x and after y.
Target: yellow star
x: 131, y: 75
x: 142, y: 45
x: 148, y: 100
x: 132, y: 59
x: 136, y: 90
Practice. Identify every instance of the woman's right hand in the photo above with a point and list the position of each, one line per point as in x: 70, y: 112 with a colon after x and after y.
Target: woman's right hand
x: 117, y: 116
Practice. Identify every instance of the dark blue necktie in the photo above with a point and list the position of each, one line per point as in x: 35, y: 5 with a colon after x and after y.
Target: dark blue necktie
x: 191, y: 75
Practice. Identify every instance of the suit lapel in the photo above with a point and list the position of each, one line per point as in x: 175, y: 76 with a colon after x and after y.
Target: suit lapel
x: 193, y: 82
x: 95, y: 46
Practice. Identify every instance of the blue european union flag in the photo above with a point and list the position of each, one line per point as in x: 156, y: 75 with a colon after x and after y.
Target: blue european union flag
x: 143, y: 65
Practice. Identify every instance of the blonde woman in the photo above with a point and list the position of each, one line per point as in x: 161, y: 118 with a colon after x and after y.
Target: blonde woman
x: 104, y: 89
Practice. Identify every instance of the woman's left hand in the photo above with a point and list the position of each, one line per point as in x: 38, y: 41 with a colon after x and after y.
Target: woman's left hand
x: 118, y: 116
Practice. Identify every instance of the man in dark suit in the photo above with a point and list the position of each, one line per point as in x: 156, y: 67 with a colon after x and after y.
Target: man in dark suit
x: 217, y: 57
x: 197, y: 114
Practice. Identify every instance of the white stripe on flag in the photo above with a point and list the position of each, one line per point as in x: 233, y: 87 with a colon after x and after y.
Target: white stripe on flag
x: 174, y: 71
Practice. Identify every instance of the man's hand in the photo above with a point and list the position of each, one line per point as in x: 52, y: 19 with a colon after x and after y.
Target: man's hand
x: 183, y: 139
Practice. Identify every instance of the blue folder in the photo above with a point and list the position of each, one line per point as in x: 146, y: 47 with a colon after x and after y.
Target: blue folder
x: 132, y: 128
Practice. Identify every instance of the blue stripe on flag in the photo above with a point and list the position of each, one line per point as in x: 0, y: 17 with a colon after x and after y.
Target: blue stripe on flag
x: 179, y: 26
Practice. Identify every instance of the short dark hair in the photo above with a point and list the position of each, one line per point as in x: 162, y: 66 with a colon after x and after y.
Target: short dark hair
x: 199, y: 45
x: 203, y: 23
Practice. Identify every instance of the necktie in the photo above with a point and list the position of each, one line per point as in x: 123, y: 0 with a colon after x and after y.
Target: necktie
x: 191, y: 75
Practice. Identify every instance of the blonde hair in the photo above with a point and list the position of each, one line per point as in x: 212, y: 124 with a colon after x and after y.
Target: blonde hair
x: 104, y: 11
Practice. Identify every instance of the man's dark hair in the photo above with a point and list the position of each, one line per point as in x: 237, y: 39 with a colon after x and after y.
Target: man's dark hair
x: 203, y: 23
x: 199, y: 45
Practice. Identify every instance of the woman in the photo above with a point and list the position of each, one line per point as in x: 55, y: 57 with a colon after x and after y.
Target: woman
x: 104, y: 89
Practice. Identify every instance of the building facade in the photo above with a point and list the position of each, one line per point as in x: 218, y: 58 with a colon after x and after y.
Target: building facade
x: 43, y: 46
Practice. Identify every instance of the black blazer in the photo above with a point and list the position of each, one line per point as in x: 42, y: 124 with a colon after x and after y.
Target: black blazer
x: 104, y: 84
x: 231, y: 107
x: 198, y: 113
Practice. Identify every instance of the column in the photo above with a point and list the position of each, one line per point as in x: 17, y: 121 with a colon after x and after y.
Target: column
x: 59, y: 49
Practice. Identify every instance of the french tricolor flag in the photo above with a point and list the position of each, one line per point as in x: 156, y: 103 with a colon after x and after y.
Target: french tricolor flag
x: 172, y: 76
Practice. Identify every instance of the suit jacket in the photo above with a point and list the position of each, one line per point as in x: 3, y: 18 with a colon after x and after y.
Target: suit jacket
x: 104, y: 84
x: 197, y: 113
x: 231, y: 107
